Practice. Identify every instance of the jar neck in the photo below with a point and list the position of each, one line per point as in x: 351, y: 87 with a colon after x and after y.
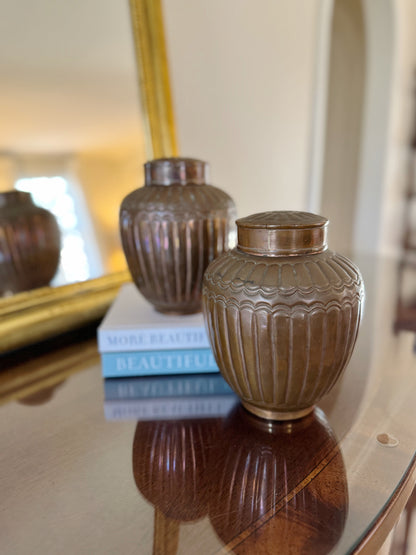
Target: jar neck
x: 282, y: 242
x: 176, y: 171
x: 8, y: 198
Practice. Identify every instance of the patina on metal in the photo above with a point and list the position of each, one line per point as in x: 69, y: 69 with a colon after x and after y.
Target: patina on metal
x: 171, y: 229
x: 176, y: 171
x: 290, y: 233
x: 282, y: 312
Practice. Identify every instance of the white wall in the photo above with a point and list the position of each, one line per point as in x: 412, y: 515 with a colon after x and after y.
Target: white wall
x: 380, y: 38
x: 346, y: 85
x: 403, y: 125
x: 389, y: 120
x: 68, y: 77
x: 243, y: 80
x: 249, y: 85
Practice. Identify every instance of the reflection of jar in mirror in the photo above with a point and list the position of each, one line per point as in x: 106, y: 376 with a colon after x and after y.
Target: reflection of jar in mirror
x: 41, y: 396
x: 171, y: 229
x: 278, y: 487
x: 29, y: 243
x: 282, y: 312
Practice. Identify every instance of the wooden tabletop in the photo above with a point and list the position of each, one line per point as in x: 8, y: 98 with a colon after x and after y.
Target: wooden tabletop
x: 336, y: 481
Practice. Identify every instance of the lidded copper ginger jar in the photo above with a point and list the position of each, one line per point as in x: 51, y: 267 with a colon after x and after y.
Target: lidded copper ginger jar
x: 171, y: 229
x: 282, y: 313
x: 30, y: 243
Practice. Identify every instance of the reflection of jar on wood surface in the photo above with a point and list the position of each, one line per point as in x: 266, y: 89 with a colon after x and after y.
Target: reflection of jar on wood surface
x: 269, y: 478
x: 29, y: 243
x: 170, y: 464
x: 171, y: 229
x: 283, y: 313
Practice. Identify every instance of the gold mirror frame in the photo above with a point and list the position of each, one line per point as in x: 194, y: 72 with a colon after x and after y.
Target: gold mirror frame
x: 32, y: 316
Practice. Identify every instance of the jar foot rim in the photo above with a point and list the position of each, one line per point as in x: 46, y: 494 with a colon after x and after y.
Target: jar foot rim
x: 275, y: 414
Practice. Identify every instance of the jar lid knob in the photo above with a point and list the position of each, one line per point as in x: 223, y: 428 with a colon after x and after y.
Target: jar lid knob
x: 282, y: 233
x: 176, y: 171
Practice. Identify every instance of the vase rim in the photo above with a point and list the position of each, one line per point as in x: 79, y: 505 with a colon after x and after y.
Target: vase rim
x: 176, y: 171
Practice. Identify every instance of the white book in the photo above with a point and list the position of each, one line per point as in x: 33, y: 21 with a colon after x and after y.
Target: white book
x: 170, y: 408
x: 132, y: 324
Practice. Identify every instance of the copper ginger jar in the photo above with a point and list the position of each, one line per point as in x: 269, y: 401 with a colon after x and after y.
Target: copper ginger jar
x: 29, y: 243
x: 171, y: 229
x: 282, y: 313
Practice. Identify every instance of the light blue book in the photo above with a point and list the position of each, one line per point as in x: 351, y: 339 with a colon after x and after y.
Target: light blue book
x: 158, y: 363
x: 165, y: 386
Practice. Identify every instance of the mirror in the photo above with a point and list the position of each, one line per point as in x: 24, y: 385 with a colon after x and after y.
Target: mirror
x: 73, y: 134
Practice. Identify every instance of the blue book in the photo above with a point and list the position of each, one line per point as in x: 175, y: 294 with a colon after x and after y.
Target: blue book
x: 165, y: 386
x: 157, y: 363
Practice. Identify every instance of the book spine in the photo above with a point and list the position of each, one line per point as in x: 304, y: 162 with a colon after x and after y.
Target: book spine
x: 157, y: 363
x: 152, y: 339
x: 166, y: 408
x: 164, y: 386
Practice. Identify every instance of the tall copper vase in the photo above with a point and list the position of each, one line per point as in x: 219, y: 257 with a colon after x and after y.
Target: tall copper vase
x: 282, y: 313
x: 29, y: 243
x: 171, y: 229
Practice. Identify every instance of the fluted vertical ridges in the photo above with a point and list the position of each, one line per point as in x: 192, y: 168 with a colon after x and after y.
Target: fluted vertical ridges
x: 258, y: 484
x: 282, y: 328
x: 170, y: 465
x: 170, y: 235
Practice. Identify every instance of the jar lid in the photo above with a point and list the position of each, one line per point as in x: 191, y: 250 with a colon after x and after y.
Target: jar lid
x: 282, y: 233
x: 176, y: 171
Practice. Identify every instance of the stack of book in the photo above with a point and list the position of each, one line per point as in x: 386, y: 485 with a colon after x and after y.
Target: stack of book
x: 158, y: 366
x: 168, y: 397
x: 135, y: 340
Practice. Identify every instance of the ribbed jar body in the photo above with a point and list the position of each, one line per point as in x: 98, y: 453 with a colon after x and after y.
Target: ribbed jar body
x: 29, y: 243
x: 170, y: 233
x: 282, y: 328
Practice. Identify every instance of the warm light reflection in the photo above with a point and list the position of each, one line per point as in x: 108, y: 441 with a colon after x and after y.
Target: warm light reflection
x: 53, y: 193
x: 117, y: 261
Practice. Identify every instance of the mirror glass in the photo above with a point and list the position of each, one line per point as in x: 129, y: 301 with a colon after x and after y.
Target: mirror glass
x: 71, y: 130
